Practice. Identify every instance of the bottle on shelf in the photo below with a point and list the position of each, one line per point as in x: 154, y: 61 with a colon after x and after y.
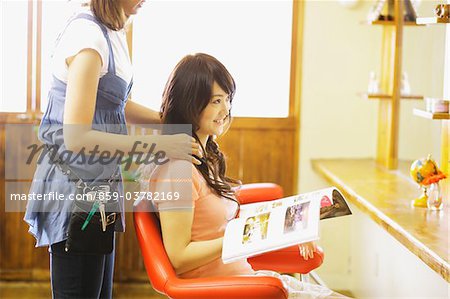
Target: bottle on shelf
x: 377, y: 13
x: 410, y: 12
x: 374, y: 83
x: 405, y: 88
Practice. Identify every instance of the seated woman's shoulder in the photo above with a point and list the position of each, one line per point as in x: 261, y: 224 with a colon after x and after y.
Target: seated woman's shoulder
x: 173, y: 170
x: 176, y: 168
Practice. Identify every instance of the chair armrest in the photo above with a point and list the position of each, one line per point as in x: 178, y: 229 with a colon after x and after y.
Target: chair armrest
x: 250, y: 193
x: 287, y: 260
x: 234, y: 287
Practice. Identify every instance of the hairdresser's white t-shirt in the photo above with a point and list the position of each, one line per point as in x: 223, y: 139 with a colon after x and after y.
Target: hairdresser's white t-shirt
x: 85, y: 34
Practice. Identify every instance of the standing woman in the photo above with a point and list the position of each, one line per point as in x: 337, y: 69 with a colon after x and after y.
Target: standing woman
x: 89, y: 108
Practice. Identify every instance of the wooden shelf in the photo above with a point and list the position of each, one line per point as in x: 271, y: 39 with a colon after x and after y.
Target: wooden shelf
x: 385, y: 196
x: 390, y: 23
x: 430, y: 115
x: 385, y: 96
x: 432, y: 20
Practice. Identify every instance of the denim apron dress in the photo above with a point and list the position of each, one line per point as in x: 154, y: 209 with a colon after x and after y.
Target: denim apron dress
x: 77, y: 275
x: 49, y: 221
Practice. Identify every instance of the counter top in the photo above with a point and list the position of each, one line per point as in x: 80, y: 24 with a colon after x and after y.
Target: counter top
x: 385, y: 196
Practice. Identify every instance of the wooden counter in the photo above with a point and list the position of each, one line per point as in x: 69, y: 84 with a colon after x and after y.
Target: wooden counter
x: 385, y: 195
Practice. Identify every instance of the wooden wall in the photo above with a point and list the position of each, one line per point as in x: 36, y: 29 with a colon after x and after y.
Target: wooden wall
x: 261, y: 150
x: 19, y: 259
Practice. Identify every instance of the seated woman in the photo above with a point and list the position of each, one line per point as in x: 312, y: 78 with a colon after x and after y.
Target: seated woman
x: 200, y: 92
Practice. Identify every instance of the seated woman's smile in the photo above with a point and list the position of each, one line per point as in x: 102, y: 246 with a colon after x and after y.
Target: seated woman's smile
x: 215, y: 115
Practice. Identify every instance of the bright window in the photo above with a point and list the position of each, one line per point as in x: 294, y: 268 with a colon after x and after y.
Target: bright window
x: 54, y: 18
x: 13, y: 53
x: 251, y: 38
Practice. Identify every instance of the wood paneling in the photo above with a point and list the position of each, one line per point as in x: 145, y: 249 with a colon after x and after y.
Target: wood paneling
x: 260, y: 156
x: 19, y: 259
x: 230, y: 146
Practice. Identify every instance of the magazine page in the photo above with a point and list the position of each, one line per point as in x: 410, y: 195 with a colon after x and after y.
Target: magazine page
x: 292, y: 220
x: 271, y: 225
x: 262, y: 207
x: 332, y: 203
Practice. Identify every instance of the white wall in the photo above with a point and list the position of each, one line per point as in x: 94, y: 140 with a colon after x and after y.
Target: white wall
x: 338, y: 54
x: 381, y: 267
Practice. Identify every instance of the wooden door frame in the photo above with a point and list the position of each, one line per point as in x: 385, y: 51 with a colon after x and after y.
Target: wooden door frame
x: 296, y: 82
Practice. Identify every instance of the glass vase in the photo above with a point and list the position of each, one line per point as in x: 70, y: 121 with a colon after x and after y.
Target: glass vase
x: 434, y: 201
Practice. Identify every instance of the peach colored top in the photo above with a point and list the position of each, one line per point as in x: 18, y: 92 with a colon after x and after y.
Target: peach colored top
x: 211, y: 214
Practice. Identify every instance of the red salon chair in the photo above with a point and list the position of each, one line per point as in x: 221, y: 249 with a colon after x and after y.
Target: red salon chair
x: 164, y: 280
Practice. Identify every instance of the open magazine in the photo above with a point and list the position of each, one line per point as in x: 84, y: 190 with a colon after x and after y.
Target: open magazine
x: 271, y: 225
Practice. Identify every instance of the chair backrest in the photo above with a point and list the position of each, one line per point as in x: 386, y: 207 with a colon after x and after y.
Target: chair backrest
x: 158, y: 266
x: 258, y: 192
x: 148, y: 231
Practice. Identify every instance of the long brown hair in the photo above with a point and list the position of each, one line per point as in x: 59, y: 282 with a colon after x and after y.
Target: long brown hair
x: 109, y: 12
x: 187, y: 92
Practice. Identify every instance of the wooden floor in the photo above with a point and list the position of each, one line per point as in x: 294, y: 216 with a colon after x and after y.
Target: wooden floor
x: 37, y: 290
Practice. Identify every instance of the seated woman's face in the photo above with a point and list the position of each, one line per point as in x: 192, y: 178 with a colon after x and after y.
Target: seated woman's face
x: 214, y: 117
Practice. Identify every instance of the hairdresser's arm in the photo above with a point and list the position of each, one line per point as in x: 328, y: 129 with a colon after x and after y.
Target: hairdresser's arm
x: 81, y: 94
x: 140, y: 115
x: 183, y: 254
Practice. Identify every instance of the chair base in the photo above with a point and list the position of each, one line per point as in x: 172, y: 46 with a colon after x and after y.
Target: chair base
x: 311, y: 276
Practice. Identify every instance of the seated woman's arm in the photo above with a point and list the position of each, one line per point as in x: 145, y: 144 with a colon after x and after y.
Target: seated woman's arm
x: 183, y: 254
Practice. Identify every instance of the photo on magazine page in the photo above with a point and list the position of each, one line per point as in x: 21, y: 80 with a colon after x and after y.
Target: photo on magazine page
x: 295, y: 221
x: 255, y: 228
x: 296, y: 218
x: 334, y: 207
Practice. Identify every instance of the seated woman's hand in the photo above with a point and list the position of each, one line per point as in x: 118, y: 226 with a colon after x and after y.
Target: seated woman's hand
x: 307, y: 249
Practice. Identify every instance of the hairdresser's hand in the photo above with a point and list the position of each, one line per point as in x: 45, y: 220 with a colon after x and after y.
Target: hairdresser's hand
x: 181, y: 146
x: 307, y: 250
